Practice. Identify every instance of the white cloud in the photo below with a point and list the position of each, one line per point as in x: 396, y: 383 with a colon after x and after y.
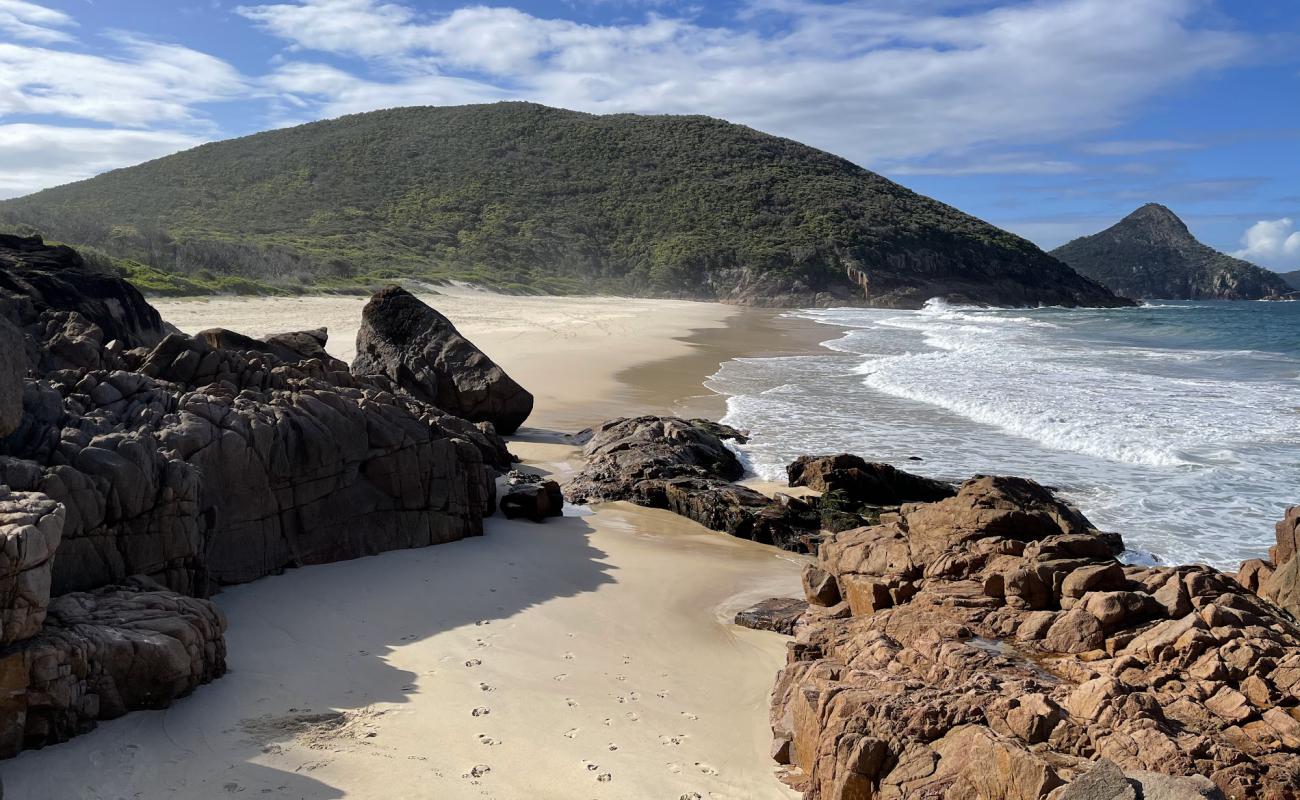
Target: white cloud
x: 1137, y: 147
x: 1271, y: 242
x: 38, y: 156
x: 150, y: 83
x: 34, y: 23
x: 882, y: 84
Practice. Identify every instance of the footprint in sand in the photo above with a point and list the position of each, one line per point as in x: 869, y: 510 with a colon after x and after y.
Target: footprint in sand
x: 481, y: 711
x: 570, y: 702
x: 561, y: 676
x: 478, y: 771
x: 633, y: 716
x: 569, y: 656
x: 473, y: 662
x: 690, y: 716
x: 691, y: 796
x: 604, y: 777
x: 662, y: 695
x: 674, y: 768
x: 571, y: 733
x: 488, y: 740
x: 486, y: 687
x: 591, y: 766
x: 705, y: 768
x: 620, y: 677
x: 612, y: 747
x: 483, y: 622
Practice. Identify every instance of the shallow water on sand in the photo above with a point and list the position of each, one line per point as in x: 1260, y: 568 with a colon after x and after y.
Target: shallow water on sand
x: 1176, y: 424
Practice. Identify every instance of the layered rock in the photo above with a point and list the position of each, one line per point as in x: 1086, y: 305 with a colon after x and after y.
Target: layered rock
x: 994, y: 648
x: 420, y: 350
x: 1277, y: 578
x: 104, y: 653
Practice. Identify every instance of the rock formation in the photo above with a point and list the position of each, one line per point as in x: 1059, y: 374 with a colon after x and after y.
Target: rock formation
x: 1151, y: 254
x: 1277, y: 578
x: 146, y: 469
x: 420, y: 351
x: 534, y: 501
x: 684, y: 466
x: 990, y: 646
x: 865, y: 483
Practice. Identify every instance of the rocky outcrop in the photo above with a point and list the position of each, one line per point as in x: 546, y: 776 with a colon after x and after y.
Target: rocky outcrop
x: 864, y: 483
x: 994, y: 647
x: 1277, y: 578
x: 1151, y: 254
x: 38, y: 279
x: 148, y: 468
x: 685, y: 466
x: 420, y: 350
x: 779, y: 614
x: 104, y: 653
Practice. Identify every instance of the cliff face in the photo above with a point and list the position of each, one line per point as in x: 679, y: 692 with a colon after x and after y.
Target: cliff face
x: 523, y: 197
x: 1151, y: 254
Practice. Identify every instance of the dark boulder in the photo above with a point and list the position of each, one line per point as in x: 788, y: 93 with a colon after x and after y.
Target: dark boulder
x: 36, y: 278
x: 777, y: 614
x: 534, y: 501
x: 420, y: 350
x: 865, y: 483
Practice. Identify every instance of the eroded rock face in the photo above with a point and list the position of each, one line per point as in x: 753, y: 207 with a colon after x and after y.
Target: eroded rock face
x: 420, y: 350
x: 1278, y: 577
x: 995, y: 648
x: 102, y: 654
x: 31, y: 526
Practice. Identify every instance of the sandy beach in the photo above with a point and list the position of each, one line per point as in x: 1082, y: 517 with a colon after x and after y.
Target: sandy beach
x: 590, y: 657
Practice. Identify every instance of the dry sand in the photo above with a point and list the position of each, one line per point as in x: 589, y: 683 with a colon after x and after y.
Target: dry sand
x: 590, y: 657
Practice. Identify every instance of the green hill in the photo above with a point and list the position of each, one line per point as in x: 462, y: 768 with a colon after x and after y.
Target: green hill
x: 524, y: 197
x: 1151, y: 254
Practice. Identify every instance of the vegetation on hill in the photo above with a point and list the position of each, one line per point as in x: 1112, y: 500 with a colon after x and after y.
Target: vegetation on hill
x: 1151, y: 254
x: 527, y: 198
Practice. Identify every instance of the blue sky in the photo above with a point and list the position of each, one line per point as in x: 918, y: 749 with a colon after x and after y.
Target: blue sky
x: 1052, y: 118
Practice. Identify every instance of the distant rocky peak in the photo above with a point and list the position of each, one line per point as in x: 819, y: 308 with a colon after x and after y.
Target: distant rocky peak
x: 1156, y: 222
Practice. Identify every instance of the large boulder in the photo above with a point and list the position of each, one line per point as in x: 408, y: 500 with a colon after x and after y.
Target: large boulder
x: 420, y: 350
x: 1278, y: 578
x: 994, y: 647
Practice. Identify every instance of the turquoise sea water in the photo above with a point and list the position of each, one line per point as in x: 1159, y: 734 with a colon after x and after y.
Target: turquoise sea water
x: 1175, y: 424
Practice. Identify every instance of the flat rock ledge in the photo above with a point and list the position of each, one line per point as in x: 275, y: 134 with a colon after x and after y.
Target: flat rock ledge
x: 990, y: 645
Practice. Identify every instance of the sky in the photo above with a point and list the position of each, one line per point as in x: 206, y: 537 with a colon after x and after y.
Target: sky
x: 1051, y: 118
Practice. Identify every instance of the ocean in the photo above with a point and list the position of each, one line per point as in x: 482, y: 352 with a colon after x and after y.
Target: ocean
x: 1176, y: 424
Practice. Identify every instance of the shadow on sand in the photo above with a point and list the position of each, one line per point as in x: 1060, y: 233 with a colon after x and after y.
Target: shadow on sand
x: 305, y: 645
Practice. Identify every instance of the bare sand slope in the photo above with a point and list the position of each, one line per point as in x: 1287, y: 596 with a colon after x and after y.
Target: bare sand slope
x: 589, y: 657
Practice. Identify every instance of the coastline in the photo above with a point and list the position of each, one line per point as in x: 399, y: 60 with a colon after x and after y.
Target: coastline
x: 600, y: 644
